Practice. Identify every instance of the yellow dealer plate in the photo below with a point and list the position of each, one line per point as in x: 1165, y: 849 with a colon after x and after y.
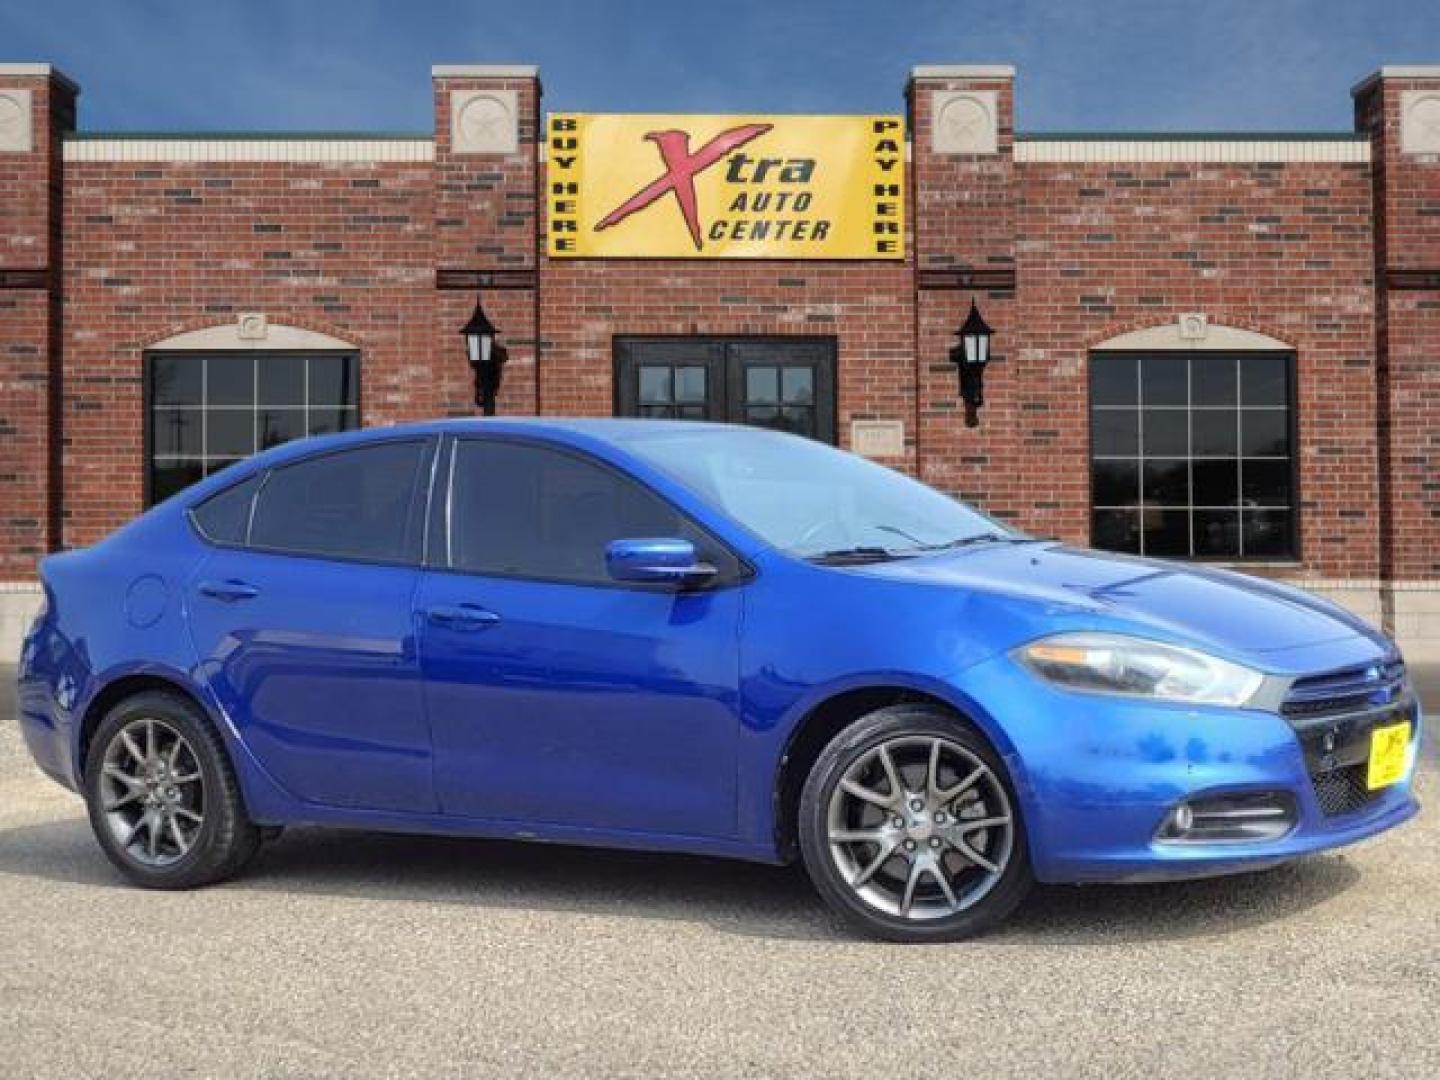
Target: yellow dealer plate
x: 1388, y: 747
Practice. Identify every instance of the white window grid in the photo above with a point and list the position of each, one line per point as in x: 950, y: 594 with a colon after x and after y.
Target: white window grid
x: 204, y: 410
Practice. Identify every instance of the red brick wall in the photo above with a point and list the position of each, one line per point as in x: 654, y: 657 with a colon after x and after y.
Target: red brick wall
x: 487, y: 205
x: 25, y: 180
x: 1407, y: 204
x: 25, y: 530
x: 350, y: 249
x: 866, y: 306
x: 965, y: 206
x: 1064, y: 256
x: 486, y: 218
x: 30, y: 257
x: 1101, y: 249
x: 156, y: 248
x: 1284, y: 250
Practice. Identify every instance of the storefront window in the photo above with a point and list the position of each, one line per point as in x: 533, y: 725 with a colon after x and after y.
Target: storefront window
x: 1192, y: 455
x: 207, y: 411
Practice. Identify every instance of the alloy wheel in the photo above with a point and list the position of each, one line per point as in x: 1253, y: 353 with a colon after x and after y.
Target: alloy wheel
x: 152, y: 792
x: 920, y: 827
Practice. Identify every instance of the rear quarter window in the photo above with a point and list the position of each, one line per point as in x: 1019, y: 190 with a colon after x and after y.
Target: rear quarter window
x: 225, y: 516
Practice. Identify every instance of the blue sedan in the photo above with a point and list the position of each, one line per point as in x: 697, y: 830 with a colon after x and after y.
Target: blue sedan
x: 695, y: 638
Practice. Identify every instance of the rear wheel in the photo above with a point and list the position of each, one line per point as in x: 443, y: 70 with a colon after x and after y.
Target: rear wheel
x: 909, y: 828
x: 163, y: 799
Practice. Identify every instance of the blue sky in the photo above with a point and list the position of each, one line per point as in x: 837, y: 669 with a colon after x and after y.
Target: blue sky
x: 364, y: 64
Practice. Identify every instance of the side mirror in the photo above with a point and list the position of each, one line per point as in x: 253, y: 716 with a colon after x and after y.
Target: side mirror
x: 656, y: 561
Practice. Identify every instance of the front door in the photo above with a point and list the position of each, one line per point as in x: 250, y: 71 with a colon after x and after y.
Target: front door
x: 782, y: 383
x: 555, y: 694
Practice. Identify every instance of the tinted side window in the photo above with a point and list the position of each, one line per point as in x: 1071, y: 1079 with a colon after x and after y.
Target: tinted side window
x: 353, y: 504
x: 225, y: 517
x: 528, y: 511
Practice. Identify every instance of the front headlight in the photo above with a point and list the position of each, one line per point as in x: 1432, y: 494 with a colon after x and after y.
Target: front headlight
x: 1137, y: 667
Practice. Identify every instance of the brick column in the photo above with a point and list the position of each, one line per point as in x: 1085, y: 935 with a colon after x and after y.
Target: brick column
x: 37, y: 105
x: 1400, y: 108
x: 486, y: 235
x: 964, y: 190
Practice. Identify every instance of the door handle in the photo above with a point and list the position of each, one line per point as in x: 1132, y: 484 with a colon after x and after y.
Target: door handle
x: 462, y: 616
x: 230, y: 590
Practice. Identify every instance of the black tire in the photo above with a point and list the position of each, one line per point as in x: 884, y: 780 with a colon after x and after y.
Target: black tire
x: 224, y: 840
x: 852, y: 745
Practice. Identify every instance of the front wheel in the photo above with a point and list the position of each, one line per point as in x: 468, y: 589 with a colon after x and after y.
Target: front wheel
x: 909, y: 828
x: 163, y: 799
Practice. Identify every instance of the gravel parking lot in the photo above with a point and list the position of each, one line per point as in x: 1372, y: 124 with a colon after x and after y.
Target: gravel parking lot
x: 357, y: 955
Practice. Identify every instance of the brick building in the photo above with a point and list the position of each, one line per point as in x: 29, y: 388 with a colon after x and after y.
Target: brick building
x: 1206, y: 346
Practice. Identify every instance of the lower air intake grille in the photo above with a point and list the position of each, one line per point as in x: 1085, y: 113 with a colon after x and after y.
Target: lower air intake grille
x: 1230, y: 819
x: 1342, y: 790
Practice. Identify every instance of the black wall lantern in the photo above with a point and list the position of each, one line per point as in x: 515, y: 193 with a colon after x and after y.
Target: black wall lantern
x: 487, y: 358
x: 970, y: 356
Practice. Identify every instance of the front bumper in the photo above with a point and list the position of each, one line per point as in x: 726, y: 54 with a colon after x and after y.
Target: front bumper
x: 1097, y: 776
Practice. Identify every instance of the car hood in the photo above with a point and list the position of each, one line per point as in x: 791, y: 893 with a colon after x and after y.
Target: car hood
x: 1226, y: 612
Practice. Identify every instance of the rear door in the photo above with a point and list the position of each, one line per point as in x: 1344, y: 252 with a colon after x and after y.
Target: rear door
x: 555, y: 694
x: 304, y: 627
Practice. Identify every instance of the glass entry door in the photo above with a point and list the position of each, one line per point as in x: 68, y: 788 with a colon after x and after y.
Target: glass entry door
x: 782, y: 383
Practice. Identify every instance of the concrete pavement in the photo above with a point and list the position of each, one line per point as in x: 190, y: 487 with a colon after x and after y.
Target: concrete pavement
x: 354, y: 955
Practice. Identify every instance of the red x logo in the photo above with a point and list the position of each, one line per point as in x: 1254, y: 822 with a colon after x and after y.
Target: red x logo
x: 681, y: 168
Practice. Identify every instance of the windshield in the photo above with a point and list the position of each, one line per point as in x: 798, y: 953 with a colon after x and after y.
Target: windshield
x: 810, y: 499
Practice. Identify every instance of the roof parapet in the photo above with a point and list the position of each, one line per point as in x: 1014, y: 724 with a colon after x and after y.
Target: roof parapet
x: 41, y: 71
x: 485, y: 71
x: 1397, y: 71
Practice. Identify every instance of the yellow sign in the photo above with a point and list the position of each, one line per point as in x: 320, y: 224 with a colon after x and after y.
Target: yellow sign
x: 727, y: 187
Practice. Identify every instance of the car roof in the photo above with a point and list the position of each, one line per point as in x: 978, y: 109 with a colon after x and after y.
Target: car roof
x: 603, y: 427
x: 578, y: 431
x: 561, y: 427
